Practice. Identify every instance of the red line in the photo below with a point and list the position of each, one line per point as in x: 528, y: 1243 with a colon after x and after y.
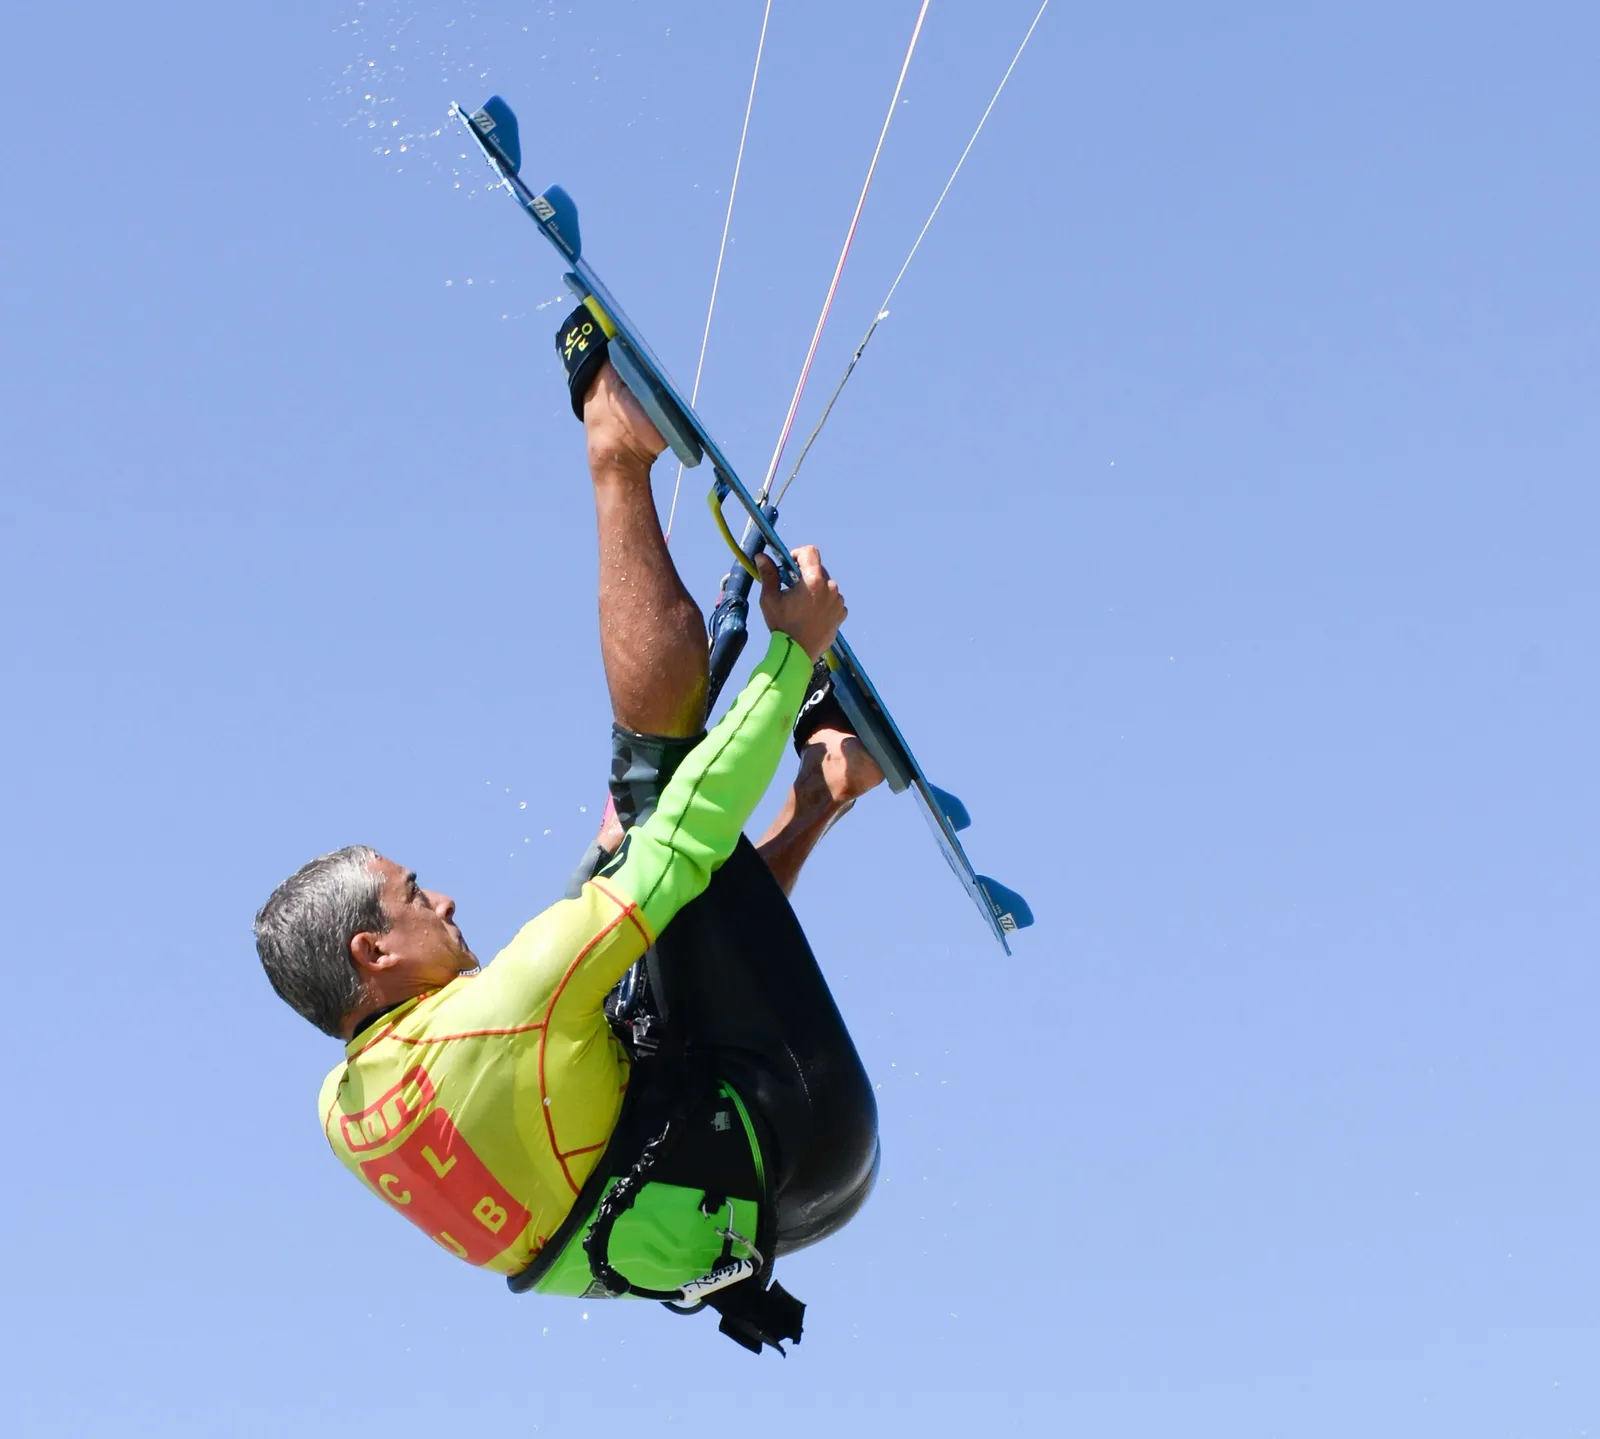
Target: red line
x: 844, y: 254
x: 381, y: 1035
x: 587, y: 1149
x: 544, y: 1043
x: 629, y: 908
x: 468, y: 1034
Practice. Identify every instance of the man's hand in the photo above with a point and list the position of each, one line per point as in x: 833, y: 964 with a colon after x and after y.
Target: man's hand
x: 810, y: 613
x: 619, y: 432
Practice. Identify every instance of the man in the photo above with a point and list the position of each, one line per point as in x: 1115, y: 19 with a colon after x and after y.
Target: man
x: 495, y: 1110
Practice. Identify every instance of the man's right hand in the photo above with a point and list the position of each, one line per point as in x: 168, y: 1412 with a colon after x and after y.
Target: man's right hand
x: 811, y: 612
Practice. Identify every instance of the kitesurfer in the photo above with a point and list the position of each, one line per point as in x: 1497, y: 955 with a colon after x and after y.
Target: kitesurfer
x: 494, y: 1110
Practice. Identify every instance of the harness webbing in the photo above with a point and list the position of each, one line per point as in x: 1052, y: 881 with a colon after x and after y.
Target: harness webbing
x: 690, y: 1089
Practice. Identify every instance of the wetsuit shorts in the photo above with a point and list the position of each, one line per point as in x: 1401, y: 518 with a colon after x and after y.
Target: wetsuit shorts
x: 735, y: 978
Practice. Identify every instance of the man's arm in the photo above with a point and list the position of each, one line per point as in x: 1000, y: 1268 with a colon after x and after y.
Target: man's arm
x: 562, y: 963
x: 576, y: 950
x: 704, y: 808
x: 668, y: 860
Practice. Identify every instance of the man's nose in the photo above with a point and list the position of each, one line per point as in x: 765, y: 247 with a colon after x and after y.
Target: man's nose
x: 443, y: 905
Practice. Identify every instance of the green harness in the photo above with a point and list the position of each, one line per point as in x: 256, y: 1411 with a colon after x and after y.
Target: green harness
x: 674, y: 1242
x: 677, y: 1210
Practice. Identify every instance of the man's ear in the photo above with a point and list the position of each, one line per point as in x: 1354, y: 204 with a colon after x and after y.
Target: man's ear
x: 368, y: 953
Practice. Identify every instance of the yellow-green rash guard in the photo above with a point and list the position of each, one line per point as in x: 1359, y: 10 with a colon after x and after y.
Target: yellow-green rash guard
x: 479, y: 1110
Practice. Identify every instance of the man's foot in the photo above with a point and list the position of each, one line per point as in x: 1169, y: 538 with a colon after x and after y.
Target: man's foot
x: 820, y: 709
x: 839, y: 761
x: 619, y: 432
x: 830, y: 751
x: 835, y: 771
x: 582, y: 344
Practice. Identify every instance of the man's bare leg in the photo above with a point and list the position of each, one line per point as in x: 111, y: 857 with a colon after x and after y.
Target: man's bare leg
x: 835, y: 771
x: 652, y: 638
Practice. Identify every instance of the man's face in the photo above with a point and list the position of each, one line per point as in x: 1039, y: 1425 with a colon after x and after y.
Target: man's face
x: 423, y: 942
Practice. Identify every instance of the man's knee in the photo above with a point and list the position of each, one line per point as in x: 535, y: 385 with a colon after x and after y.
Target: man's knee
x: 641, y: 766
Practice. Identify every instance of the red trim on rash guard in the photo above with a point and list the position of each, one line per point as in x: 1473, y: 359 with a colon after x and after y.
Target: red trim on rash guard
x: 382, y: 1034
x: 629, y: 908
x: 544, y: 1044
x: 467, y: 1034
x: 587, y: 1149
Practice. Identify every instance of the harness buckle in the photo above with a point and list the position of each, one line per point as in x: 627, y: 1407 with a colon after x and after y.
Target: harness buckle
x: 642, y: 1043
x: 733, y: 1236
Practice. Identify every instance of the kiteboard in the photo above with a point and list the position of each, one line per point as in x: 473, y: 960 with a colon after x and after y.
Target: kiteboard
x: 494, y: 129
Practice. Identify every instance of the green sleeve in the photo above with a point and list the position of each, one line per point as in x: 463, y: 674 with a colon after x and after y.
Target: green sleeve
x: 670, y: 859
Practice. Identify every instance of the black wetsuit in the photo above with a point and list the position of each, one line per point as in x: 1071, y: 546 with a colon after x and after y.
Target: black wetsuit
x: 733, y: 979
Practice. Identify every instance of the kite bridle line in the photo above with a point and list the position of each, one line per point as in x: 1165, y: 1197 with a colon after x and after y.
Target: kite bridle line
x: 728, y: 618
x: 844, y: 254
x: 743, y: 552
x: 883, y: 309
x: 882, y: 312
x: 722, y: 249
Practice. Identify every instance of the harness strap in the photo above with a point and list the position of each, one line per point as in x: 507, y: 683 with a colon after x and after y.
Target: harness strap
x: 617, y: 1153
x: 667, y: 1090
x: 753, y: 1316
x: 691, y: 1089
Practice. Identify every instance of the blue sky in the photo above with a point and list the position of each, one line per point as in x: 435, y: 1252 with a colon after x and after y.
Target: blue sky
x: 1217, y: 509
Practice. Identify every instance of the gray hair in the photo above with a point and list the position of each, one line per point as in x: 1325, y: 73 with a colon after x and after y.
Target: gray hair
x: 303, y: 933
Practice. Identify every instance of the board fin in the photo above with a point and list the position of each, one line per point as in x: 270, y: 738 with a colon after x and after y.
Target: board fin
x: 954, y: 810
x: 494, y: 130
x: 563, y: 214
x: 497, y: 124
x: 1010, y: 908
